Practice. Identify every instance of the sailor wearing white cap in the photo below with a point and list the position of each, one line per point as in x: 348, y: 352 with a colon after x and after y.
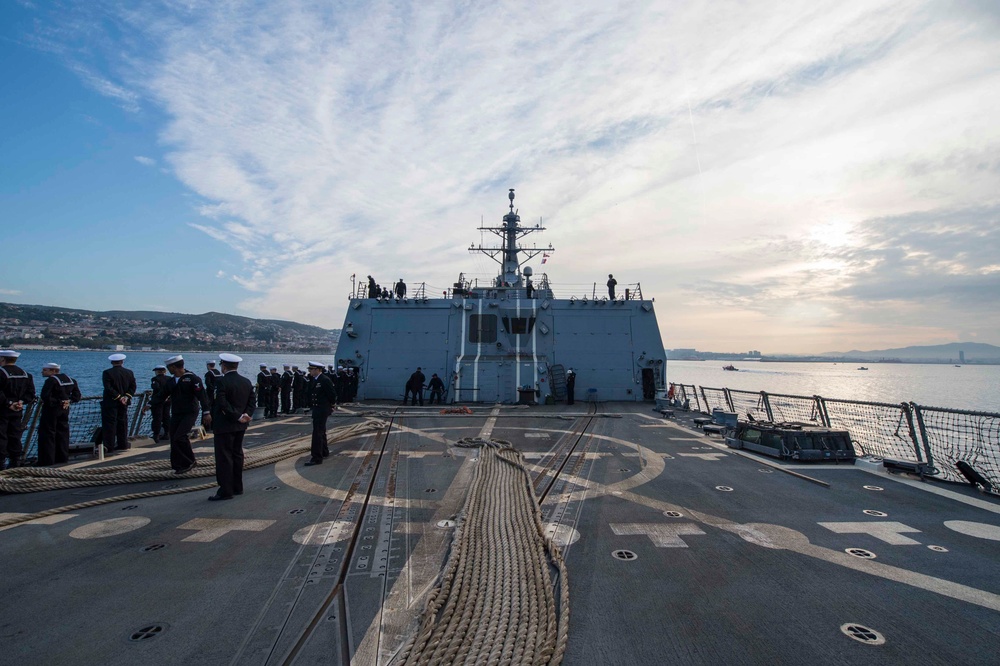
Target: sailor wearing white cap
x: 570, y: 386
x: 58, y: 391
x: 159, y: 407
x: 231, y: 412
x: 17, y: 391
x: 119, y: 387
x: 287, y: 379
x: 264, y: 389
x: 186, y: 395
x: 322, y: 396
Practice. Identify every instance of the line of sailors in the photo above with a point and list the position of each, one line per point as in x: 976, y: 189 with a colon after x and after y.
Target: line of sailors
x: 287, y: 391
x: 17, y: 394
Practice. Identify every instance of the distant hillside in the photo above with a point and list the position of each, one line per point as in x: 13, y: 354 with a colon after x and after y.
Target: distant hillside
x: 49, y: 325
x: 974, y: 351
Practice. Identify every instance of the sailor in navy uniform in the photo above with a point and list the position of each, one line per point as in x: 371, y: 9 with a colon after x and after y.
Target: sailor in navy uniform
x: 212, y: 373
x: 373, y: 290
x: 58, y: 392
x: 436, y: 387
x: 274, y: 392
x: 17, y: 392
x: 186, y: 395
x: 612, y: 283
x: 298, y: 388
x: 119, y: 388
x: 231, y: 413
x: 570, y: 386
x: 322, y: 398
x: 159, y: 405
x: 263, y: 387
x: 287, y: 379
x: 400, y: 289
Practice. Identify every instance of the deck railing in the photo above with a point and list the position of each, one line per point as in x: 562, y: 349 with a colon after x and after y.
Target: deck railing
x: 938, y: 436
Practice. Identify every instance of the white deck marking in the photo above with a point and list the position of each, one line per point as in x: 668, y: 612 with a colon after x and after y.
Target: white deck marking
x: 537, y: 435
x: 561, y: 535
x: 46, y: 520
x: 112, y: 527
x: 210, y: 529
x: 663, y: 535
x: 705, y: 456
x: 322, y: 534
x: 978, y: 530
x: 888, y: 531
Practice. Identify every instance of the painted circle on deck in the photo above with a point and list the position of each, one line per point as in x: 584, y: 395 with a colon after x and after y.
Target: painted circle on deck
x: 978, y: 530
x: 561, y: 535
x: 112, y: 527
x: 321, y: 534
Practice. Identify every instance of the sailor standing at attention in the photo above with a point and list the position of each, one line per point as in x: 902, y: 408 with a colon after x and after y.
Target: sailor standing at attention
x: 570, y: 386
x: 17, y: 391
x: 159, y: 407
x: 263, y: 387
x: 231, y: 413
x: 274, y: 392
x: 322, y: 398
x: 287, y: 379
x: 119, y: 387
x: 58, y: 391
x: 612, y: 283
x: 373, y: 290
x: 212, y: 373
x: 186, y: 395
x: 298, y: 388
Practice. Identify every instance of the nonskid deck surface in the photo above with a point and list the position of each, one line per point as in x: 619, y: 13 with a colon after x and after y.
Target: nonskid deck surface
x: 728, y: 559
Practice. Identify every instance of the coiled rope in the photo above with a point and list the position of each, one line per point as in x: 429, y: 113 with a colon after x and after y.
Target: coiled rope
x: 37, y: 479
x: 503, y: 597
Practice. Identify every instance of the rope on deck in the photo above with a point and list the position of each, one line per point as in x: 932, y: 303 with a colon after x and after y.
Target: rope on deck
x: 503, y: 597
x: 36, y: 479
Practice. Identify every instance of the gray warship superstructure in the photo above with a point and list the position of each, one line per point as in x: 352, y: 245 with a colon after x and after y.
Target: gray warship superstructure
x: 508, y: 339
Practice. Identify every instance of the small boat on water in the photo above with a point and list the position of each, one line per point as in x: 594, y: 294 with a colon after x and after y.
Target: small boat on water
x: 731, y: 367
x: 862, y: 368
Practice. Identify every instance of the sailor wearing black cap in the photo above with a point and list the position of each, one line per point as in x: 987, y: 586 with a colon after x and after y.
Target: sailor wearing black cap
x: 263, y: 388
x: 17, y: 391
x: 186, y: 395
x: 322, y: 397
x: 287, y: 379
x: 212, y: 373
x: 119, y: 387
x: 159, y: 406
x: 373, y: 290
x: 273, y: 392
x: 58, y: 392
x: 231, y: 413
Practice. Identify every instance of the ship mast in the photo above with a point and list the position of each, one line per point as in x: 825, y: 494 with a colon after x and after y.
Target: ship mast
x: 507, y: 254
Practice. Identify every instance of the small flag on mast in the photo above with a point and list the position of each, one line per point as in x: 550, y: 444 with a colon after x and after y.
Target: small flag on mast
x: 545, y: 257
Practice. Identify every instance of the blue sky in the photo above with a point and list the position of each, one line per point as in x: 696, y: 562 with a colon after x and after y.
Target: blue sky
x: 789, y: 178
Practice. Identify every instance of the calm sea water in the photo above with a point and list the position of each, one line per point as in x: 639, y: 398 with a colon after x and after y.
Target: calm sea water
x: 974, y: 387
x: 86, y: 366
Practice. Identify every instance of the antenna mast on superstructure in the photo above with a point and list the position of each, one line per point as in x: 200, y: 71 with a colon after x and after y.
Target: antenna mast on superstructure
x: 507, y: 254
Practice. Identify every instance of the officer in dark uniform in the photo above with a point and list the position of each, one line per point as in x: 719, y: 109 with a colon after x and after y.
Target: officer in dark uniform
x: 17, y: 392
x: 436, y: 387
x: 400, y: 289
x: 58, y: 392
x: 287, y: 379
x: 373, y: 290
x: 231, y: 413
x: 186, y: 395
x: 322, y: 398
x: 263, y: 387
x: 119, y: 388
x: 612, y: 283
x: 273, y: 392
x: 298, y: 388
x: 159, y: 405
x: 212, y: 373
x: 570, y: 385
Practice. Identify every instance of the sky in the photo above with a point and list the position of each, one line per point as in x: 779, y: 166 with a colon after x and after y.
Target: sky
x: 784, y: 177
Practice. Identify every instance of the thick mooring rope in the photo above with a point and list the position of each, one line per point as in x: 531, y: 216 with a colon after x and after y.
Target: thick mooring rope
x: 36, y: 479
x: 503, y: 597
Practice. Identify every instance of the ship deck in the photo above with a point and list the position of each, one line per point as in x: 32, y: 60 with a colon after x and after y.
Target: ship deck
x: 728, y: 557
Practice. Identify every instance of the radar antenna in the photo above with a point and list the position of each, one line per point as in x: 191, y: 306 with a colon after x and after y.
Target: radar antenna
x: 507, y: 254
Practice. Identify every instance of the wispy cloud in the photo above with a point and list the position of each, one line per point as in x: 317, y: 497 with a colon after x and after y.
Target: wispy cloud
x: 758, y: 159
x: 145, y: 161
x: 10, y: 292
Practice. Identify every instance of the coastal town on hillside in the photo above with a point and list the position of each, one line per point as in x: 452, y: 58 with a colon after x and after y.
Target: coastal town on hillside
x: 40, y: 327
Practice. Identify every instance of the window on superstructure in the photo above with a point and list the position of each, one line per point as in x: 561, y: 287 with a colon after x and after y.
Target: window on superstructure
x: 483, y: 328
